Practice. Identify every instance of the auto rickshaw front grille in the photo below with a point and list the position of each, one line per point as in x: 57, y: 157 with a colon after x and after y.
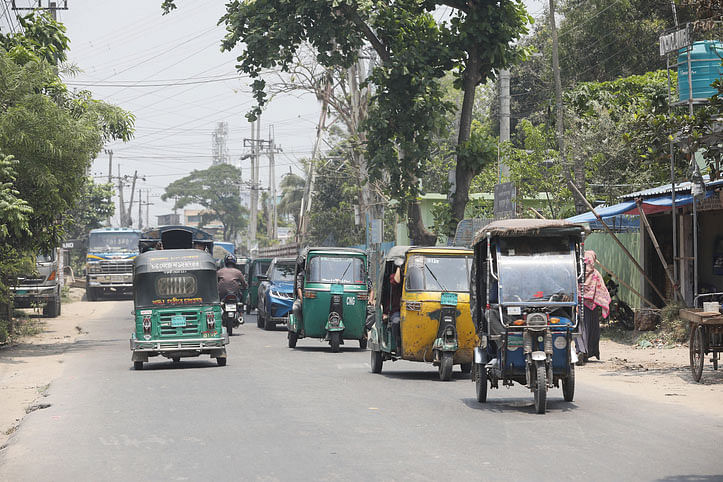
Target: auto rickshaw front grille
x: 191, y: 327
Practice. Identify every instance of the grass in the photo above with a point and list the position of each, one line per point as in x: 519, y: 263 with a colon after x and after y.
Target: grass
x: 20, y: 327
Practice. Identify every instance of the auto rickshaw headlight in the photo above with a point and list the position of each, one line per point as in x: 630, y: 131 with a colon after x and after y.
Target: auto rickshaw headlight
x: 536, y: 319
x: 334, y: 319
x: 211, y: 320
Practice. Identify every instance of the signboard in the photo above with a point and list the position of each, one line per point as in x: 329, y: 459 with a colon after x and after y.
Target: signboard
x: 505, y: 200
x: 674, y: 41
x: 68, y: 245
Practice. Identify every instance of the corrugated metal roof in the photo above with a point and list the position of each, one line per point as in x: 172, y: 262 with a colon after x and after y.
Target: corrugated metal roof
x: 666, y: 189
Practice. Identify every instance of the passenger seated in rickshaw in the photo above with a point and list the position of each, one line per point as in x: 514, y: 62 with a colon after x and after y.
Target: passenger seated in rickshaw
x: 296, y: 308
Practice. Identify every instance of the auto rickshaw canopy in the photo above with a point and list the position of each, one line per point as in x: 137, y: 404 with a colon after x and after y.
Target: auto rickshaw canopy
x: 530, y: 227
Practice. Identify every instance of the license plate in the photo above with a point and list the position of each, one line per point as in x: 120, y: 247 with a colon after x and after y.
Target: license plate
x: 449, y: 299
x: 21, y: 292
x: 178, y: 321
x: 230, y: 307
x: 337, y: 289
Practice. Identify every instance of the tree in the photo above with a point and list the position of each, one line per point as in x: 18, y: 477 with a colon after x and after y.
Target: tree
x: 14, y: 212
x: 292, y: 191
x: 217, y: 190
x: 94, y: 206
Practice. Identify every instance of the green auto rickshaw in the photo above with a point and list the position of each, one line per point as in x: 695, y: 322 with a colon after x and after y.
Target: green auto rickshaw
x: 335, y: 289
x: 176, y: 310
x: 257, y: 266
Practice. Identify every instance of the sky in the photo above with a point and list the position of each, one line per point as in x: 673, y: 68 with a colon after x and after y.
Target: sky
x: 170, y: 73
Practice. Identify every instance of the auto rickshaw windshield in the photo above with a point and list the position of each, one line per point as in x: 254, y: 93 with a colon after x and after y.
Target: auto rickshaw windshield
x: 542, y: 270
x: 336, y: 269
x: 438, y: 273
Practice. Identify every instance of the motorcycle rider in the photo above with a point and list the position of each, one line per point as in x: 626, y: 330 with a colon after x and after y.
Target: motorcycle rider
x: 230, y: 279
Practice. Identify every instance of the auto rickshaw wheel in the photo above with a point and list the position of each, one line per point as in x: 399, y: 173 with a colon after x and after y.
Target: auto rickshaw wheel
x: 445, y: 367
x: 568, y: 385
x: 138, y: 365
x: 363, y: 343
x: 293, y: 338
x: 377, y: 361
x: 335, y: 341
x: 541, y: 388
x: 221, y: 361
x: 697, y: 354
x: 466, y: 368
x: 480, y: 373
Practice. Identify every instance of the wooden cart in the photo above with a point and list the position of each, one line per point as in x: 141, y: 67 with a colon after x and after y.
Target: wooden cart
x: 706, y: 336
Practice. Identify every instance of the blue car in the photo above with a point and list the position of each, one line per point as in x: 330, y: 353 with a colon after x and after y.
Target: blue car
x: 276, y: 293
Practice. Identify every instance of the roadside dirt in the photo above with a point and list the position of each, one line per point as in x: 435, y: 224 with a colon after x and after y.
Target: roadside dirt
x: 659, y: 374
x: 29, y: 365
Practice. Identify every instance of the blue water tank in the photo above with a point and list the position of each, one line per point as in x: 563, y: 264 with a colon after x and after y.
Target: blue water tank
x: 705, y: 59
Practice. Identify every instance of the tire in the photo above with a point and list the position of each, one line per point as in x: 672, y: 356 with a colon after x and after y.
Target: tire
x: 91, y: 294
x: 229, y: 327
x: 52, y: 308
x: 335, y: 341
x: 268, y: 324
x: 138, y: 365
x: 697, y: 354
x: 377, y: 361
x: 363, y: 343
x: 481, y: 382
x: 221, y: 361
x: 466, y: 368
x: 293, y: 338
x: 259, y: 320
x: 568, y: 385
x: 626, y: 316
x: 541, y: 388
x: 445, y: 367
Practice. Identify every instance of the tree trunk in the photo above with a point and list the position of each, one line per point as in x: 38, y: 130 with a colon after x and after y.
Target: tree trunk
x: 463, y: 174
x: 418, y: 234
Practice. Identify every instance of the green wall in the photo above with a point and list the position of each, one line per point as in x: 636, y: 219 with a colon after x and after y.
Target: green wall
x: 613, y: 257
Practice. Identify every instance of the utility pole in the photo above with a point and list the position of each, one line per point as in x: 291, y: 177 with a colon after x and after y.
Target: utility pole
x: 140, y: 210
x: 129, y: 218
x: 504, y: 170
x: 148, y: 207
x: 272, y: 149
x: 121, y: 205
x: 253, y: 208
x: 110, y: 164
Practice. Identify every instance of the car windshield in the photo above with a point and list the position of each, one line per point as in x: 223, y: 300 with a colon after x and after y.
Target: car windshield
x: 283, y: 272
x: 336, y: 269
x: 113, y: 242
x: 437, y: 273
x: 540, y: 271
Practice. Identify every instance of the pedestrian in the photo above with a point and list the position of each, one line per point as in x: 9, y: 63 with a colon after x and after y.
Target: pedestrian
x: 596, y: 301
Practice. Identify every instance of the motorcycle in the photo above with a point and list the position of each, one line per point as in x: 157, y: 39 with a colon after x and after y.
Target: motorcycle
x: 620, y: 311
x: 232, y: 317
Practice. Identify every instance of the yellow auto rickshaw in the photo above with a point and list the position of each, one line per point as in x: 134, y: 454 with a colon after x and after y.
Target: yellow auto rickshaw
x: 422, y: 311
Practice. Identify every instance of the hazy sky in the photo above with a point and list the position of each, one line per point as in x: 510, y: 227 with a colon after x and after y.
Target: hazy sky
x: 169, y: 71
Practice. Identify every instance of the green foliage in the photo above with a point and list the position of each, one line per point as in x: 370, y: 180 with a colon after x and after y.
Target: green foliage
x: 40, y: 39
x: 332, y: 217
x: 14, y: 211
x: 216, y: 189
x: 292, y: 192
x: 94, y: 206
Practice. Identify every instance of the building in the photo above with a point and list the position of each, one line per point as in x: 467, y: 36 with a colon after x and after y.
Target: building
x: 169, y: 219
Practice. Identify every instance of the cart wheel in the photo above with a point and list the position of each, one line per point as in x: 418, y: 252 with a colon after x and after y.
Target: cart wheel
x: 221, y: 361
x: 568, y: 385
x: 466, y: 368
x: 377, y: 361
x: 335, y: 341
x: 541, y: 388
x: 138, y: 365
x: 445, y: 367
x: 293, y: 338
x: 481, y: 382
x: 697, y: 355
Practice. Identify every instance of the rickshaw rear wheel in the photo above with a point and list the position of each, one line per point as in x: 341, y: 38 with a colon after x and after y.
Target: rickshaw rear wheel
x: 138, y: 365
x: 221, y: 361
x: 335, y: 341
x: 377, y: 361
x: 445, y: 367
x: 541, y: 388
x: 697, y: 355
x: 568, y: 385
x: 293, y: 338
x: 481, y: 382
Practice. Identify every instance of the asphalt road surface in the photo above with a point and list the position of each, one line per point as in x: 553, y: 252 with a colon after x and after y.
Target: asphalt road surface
x: 278, y: 414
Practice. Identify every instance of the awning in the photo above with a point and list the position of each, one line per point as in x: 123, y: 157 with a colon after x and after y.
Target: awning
x: 650, y: 206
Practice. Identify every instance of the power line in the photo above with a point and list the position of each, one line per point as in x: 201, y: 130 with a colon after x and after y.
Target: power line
x: 166, y: 84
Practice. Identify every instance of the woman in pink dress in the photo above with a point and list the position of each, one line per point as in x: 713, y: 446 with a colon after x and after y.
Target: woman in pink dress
x: 597, y: 301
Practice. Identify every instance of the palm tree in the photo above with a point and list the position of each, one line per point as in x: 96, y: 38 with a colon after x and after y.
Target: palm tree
x: 292, y: 192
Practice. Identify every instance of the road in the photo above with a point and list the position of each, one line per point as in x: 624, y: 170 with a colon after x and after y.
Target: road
x: 278, y: 414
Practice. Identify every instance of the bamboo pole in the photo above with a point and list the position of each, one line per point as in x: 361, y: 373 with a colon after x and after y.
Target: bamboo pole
x: 615, y: 238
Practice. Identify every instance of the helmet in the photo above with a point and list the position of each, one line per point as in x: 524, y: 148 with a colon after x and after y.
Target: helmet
x: 229, y: 261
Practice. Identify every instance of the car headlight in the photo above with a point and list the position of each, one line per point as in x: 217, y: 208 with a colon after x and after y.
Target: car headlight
x: 278, y: 294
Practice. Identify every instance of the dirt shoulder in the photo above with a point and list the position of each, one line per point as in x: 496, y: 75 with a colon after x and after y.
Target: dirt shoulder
x: 655, y: 373
x: 30, y: 364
